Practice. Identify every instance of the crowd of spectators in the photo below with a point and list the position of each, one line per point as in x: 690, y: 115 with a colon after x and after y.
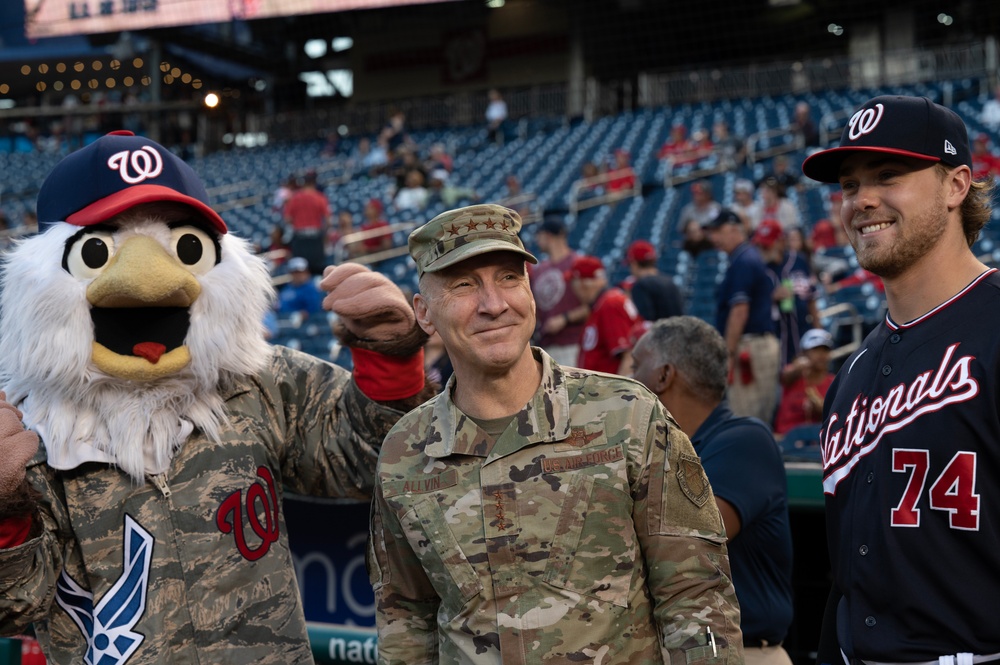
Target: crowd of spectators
x: 803, y: 258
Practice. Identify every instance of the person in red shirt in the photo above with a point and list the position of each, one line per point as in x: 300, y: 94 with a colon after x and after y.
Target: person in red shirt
x: 307, y: 212
x: 984, y: 163
x: 606, y: 345
x: 677, y: 148
x: 622, y: 176
x: 804, y: 383
x: 375, y: 220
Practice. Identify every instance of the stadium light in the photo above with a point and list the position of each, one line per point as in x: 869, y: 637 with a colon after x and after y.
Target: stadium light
x: 495, y: 4
x: 945, y: 19
x: 211, y: 100
x: 339, y: 44
x: 315, y: 48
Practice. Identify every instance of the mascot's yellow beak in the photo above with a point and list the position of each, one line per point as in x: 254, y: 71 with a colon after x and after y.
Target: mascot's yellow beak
x: 140, y: 308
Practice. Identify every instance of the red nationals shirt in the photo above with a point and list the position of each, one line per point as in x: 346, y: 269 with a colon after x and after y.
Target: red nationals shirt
x: 606, y: 333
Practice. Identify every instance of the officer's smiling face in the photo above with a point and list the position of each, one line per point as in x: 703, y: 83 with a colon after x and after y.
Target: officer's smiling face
x: 483, y: 310
x: 894, y: 210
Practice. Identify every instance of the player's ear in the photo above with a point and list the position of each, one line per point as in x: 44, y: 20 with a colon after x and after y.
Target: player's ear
x: 958, y: 181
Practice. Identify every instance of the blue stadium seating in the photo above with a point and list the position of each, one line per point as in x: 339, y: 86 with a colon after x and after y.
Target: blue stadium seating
x: 547, y: 157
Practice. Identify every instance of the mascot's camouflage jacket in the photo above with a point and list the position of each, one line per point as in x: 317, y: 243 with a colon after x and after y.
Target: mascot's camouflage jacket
x: 587, y: 533
x: 195, y: 566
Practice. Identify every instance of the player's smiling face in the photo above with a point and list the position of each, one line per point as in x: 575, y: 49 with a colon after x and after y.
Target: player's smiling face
x: 894, y: 210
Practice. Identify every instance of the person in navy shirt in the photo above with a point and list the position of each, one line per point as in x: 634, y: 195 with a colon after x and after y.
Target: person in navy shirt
x: 683, y: 360
x: 744, y: 318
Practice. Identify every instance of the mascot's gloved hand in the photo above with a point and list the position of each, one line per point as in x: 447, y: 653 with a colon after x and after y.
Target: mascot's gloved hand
x: 378, y: 325
x: 370, y: 306
x: 17, y: 500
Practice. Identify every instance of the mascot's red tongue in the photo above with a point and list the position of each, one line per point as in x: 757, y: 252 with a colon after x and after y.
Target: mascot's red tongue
x: 151, y: 351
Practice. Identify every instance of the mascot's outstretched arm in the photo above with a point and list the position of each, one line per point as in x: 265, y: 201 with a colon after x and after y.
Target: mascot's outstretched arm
x: 378, y: 325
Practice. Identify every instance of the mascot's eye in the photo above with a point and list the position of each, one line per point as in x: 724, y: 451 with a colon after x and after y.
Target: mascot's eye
x: 89, y: 254
x: 195, y: 248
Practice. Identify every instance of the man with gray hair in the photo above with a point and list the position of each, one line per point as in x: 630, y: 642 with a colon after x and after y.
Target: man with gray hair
x: 683, y: 360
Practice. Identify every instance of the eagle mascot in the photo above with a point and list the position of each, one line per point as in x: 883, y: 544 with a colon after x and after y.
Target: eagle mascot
x: 147, y: 527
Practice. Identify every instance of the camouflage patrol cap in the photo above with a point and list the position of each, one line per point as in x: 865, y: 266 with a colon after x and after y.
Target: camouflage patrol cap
x: 456, y: 235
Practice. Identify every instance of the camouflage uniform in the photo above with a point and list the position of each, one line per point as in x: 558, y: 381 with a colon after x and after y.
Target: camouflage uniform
x: 587, y: 533
x: 195, y: 566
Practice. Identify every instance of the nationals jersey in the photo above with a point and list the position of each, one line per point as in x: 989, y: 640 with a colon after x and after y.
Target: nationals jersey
x: 911, y: 472
x: 606, y: 333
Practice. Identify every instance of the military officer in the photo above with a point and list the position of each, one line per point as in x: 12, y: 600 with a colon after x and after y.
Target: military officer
x: 533, y: 512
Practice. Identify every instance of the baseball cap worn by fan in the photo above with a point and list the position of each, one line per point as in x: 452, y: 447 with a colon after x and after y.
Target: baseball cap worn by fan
x: 456, y: 235
x: 639, y: 251
x: 768, y: 232
x: 551, y: 224
x: 297, y: 264
x: 907, y: 126
x: 816, y: 337
x: 725, y: 216
x: 114, y: 173
x: 586, y: 267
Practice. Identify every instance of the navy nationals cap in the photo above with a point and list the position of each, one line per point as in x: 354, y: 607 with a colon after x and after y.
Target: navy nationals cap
x: 114, y: 173
x: 908, y: 126
x: 725, y: 216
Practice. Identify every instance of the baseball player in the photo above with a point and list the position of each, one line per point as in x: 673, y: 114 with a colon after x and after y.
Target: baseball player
x: 911, y: 432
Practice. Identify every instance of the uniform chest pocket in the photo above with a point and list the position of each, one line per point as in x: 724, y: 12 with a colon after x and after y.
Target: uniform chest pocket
x: 594, y: 550
x: 447, y: 566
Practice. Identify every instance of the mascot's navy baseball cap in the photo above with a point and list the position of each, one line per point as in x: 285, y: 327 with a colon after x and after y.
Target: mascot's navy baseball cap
x: 908, y: 126
x: 114, y: 173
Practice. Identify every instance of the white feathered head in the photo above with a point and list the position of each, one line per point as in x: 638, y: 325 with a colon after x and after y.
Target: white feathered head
x: 123, y: 321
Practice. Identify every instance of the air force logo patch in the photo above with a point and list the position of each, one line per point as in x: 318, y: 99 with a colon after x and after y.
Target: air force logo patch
x: 108, y: 626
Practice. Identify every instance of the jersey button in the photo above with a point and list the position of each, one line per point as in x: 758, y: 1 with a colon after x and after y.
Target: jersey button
x: 863, y: 550
x: 886, y: 370
x: 871, y: 476
x: 869, y: 621
x: 894, y: 338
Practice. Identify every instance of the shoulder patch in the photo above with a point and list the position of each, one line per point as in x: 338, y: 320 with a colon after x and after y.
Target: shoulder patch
x: 692, y: 479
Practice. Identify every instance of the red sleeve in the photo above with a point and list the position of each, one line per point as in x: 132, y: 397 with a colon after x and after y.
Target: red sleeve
x: 14, y: 531
x: 616, y: 321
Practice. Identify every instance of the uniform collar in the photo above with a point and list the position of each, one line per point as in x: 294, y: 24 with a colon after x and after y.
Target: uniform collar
x: 544, y: 418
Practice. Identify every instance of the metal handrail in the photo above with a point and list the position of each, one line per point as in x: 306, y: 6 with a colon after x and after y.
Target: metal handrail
x: 753, y: 154
x: 852, y: 318
x: 340, y: 254
x: 831, y: 125
x: 576, y: 204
